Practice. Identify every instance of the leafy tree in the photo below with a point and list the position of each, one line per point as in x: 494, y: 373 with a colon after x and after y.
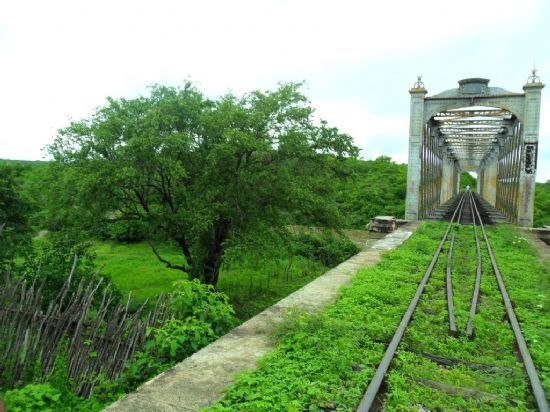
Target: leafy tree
x: 542, y: 204
x: 466, y: 179
x: 371, y: 188
x: 49, y: 263
x: 201, y: 172
x: 15, y: 233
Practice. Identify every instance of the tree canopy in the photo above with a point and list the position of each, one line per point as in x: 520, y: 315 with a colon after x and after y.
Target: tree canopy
x: 372, y: 187
x: 466, y: 179
x: 198, y: 171
x: 542, y: 205
x: 14, y: 209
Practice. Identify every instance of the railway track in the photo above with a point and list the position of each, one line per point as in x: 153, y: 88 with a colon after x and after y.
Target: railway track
x: 465, y: 224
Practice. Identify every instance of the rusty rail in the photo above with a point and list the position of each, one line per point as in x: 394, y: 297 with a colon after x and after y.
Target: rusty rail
x: 449, y: 286
x: 376, y: 382
x: 534, y: 380
x: 477, y: 284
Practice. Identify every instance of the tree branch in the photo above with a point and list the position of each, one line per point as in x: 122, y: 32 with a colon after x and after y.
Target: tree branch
x: 168, y: 264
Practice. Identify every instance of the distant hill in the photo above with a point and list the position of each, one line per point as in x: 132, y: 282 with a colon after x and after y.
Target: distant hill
x: 31, y: 163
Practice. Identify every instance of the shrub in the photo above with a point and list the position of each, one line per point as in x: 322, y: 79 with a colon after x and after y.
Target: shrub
x: 15, y: 232
x: 127, y: 231
x: 201, y: 301
x: 33, y: 397
x: 167, y: 345
x: 200, y: 316
x: 326, y: 248
x: 50, y: 263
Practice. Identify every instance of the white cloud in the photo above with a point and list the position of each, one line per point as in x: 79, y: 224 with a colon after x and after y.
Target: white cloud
x: 374, y: 134
x: 60, y: 59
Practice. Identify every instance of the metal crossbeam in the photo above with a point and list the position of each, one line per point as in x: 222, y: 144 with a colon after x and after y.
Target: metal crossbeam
x: 455, y: 129
x: 466, y: 121
x: 470, y: 135
x: 474, y: 113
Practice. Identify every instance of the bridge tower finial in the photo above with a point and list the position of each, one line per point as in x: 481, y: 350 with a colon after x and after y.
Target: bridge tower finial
x: 419, y: 84
x: 533, y: 78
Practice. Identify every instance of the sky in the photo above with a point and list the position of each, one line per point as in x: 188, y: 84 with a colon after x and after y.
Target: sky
x: 59, y: 60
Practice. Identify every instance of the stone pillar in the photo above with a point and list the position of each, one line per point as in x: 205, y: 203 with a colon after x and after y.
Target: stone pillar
x: 416, y: 129
x: 456, y: 180
x: 447, y: 180
x: 490, y: 173
x: 531, y: 118
x: 481, y: 179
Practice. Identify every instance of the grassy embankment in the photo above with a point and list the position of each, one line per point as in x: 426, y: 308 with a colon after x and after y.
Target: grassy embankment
x: 251, y: 287
x: 324, y: 362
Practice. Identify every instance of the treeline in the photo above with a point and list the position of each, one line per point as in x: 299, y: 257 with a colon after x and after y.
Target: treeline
x: 359, y: 190
x: 362, y: 189
x: 542, y: 205
x: 372, y: 188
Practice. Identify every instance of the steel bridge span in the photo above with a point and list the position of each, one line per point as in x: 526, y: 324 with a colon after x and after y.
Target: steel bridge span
x: 474, y: 128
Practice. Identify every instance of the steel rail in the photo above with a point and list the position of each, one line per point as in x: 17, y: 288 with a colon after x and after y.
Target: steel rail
x: 460, y: 206
x: 534, y: 380
x: 477, y: 283
x: 375, y: 383
x: 449, y: 285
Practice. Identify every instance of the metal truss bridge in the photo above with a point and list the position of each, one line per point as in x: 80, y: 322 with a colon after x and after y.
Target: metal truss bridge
x: 474, y: 128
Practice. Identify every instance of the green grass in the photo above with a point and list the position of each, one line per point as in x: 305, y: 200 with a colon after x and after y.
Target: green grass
x: 325, y: 361
x: 134, y: 268
x: 251, y: 287
x: 493, y: 343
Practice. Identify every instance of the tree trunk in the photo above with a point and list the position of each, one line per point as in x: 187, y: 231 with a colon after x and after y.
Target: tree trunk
x: 214, y: 255
x: 212, y: 274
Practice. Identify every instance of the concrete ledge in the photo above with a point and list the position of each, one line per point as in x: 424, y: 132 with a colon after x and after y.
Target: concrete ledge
x: 200, y: 380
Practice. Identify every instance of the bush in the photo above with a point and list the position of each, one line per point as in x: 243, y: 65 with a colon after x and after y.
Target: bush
x: 33, y: 397
x: 15, y: 232
x: 50, y: 263
x: 127, y: 231
x: 167, y: 345
x: 326, y: 248
x: 198, y: 300
x: 200, y: 316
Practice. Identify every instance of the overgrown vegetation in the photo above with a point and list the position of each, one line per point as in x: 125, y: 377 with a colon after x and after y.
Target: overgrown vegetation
x: 325, y: 361
x: 542, y: 205
x: 371, y: 188
x: 501, y: 386
x: 80, y: 356
x: 197, y: 181
x: 466, y: 179
x: 14, y: 214
x: 255, y: 276
x: 199, y: 172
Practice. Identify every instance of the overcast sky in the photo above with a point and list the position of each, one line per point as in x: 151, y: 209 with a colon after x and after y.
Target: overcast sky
x: 60, y: 59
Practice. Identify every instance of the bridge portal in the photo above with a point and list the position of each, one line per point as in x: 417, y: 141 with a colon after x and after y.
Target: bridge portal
x: 474, y: 128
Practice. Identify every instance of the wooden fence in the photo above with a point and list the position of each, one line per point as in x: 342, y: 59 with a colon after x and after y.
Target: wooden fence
x: 96, y: 339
